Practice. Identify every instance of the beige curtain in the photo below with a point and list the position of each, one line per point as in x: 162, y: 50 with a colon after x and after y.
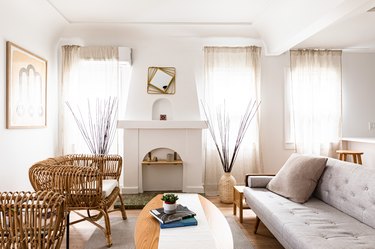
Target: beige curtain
x: 232, y: 75
x: 316, y: 100
x: 70, y: 58
x: 88, y: 74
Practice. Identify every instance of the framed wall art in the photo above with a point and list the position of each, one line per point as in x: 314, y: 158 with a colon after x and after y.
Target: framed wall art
x: 26, y: 88
x: 161, y: 80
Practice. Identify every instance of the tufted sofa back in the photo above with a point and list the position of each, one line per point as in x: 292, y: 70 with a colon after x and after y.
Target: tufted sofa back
x: 350, y: 188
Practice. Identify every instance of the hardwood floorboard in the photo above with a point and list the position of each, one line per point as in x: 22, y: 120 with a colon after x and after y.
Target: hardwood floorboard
x: 263, y: 239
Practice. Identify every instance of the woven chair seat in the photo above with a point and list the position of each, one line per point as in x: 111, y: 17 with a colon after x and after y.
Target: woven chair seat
x: 108, y: 187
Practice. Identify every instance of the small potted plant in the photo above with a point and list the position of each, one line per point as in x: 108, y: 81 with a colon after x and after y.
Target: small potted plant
x: 169, y: 203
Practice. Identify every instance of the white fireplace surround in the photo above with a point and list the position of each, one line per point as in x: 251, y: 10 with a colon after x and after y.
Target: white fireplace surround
x: 184, y: 137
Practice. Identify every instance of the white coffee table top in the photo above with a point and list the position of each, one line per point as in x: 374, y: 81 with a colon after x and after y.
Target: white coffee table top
x: 213, y: 230
x: 199, y: 236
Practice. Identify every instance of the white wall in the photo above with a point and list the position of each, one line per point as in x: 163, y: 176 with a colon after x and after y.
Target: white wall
x: 358, y: 94
x: 163, y: 54
x: 35, y: 26
x: 273, y: 149
x: 186, y: 54
x: 359, y: 103
x: 358, y: 83
x: 358, y: 79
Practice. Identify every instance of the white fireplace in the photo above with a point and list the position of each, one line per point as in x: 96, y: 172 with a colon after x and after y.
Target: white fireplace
x: 182, y: 137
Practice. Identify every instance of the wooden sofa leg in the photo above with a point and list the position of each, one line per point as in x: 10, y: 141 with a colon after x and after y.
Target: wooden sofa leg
x: 256, y: 224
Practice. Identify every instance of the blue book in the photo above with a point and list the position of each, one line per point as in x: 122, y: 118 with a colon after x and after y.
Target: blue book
x: 180, y: 223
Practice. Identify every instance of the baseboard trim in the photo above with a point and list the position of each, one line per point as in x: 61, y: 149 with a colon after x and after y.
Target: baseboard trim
x: 129, y: 190
x: 193, y: 189
x: 187, y: 189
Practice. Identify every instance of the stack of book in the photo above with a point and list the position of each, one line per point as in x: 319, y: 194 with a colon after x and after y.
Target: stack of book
x: 182, y: 217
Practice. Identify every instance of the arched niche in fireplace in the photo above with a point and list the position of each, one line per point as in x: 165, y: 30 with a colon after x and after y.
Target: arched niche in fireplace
x: 162, y: 156
x: 162, y: 109
x: 162, y: 170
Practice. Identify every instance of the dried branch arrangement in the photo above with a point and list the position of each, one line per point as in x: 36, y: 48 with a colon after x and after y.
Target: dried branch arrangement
x: 98, y: 124
x: 219, y: 127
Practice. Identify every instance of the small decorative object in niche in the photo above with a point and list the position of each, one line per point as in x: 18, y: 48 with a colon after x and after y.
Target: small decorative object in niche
x: 163, y: 117
x: 161, y: 80
x: 148, y: 157
x: 169, y: 157
x: 26, y: 88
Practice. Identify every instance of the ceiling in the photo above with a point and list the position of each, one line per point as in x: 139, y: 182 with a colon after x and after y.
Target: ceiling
x: 161, y: 11
x: 278, y: 24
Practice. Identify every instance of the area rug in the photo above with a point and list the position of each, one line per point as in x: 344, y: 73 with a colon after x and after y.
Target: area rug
x: 136, y: 201
x: 123, y: 231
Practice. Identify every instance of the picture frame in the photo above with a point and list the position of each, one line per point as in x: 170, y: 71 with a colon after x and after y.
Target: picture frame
x: 161, y: 80
x: 26, y: 80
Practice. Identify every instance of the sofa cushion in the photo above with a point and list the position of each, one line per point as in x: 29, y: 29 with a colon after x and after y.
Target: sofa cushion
x: 297, y: 179
x: 350, y: 188
x: 311, y: 225
x: 108, y: 186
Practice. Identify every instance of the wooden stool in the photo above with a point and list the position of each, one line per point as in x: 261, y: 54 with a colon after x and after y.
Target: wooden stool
x: 355, y: 154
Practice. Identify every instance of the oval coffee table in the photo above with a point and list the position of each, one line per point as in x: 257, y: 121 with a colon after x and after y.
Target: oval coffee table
x: 147, y: 228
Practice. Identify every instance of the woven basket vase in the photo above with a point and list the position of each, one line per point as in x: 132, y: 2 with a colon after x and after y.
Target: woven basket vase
x: 226, y: 183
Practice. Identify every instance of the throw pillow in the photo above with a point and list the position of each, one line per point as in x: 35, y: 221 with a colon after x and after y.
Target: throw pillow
x: 297, y: 179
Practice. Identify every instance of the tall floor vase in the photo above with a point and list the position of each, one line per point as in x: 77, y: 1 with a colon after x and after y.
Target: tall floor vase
x: 226, y: 183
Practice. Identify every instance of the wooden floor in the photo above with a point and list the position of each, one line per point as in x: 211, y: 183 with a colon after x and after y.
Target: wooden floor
x: 81, y: 232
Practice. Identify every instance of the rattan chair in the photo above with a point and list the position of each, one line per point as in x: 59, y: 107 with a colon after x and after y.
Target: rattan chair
x: 88, y: 182
x: 31, y: 220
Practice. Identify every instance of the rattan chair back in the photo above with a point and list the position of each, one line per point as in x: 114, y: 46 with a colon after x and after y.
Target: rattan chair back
x: 31, y: 220
x: 81, y: 186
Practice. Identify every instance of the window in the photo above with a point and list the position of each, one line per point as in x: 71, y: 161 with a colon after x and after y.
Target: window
x: 313, y: 101
x: 288, y: 111
x: 86, y: 80
x: 232, y: 75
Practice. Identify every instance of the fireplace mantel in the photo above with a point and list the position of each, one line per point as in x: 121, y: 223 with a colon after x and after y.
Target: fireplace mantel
x: 143, y: 136
x: 161, y: 124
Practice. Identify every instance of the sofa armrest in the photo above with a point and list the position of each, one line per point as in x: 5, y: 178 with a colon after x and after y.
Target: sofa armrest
x: 258, y: 180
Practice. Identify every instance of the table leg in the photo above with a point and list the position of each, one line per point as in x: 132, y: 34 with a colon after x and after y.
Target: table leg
x: 359, y: 159
x: 234, y: 202
x: 67, y: 230
x: 241, y: 207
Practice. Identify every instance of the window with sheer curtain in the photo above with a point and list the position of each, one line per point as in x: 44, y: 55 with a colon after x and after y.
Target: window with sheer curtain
x: 313, y: 98
x: 232, y: 75
x: 90, y: 74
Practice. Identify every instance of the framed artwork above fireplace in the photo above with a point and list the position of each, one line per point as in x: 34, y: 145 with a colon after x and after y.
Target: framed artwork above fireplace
x: 161, y: 80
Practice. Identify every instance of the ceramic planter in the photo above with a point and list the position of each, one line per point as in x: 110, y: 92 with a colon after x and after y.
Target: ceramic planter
x: 169, y: 208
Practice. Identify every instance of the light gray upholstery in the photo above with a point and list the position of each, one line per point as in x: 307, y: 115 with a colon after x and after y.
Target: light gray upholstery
x: 341, y: 220
x: 350, y: 188
x: 258, y: 181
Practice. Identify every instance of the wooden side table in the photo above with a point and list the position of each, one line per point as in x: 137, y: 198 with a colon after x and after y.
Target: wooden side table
x: 238, y: 201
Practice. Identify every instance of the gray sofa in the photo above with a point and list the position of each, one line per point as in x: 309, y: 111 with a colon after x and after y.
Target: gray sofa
x: 340, y: 214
